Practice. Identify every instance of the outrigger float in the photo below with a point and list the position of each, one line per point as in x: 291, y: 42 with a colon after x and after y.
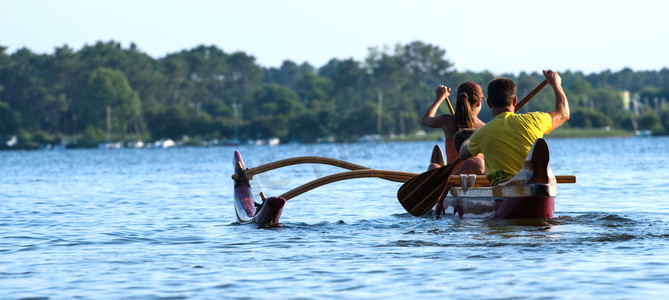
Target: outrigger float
x: 269, y: 211
x: 529, y: 194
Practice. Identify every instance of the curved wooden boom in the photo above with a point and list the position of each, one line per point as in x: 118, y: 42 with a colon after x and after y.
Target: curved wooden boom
x: 396, y: 176
x: 300, y: 160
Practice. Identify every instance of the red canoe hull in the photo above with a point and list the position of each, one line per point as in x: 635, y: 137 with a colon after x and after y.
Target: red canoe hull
x: 524, y: 207
x: 506, y: 207
x: 529, y: 194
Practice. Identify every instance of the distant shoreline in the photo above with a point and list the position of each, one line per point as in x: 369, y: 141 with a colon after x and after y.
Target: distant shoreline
x: 558, y: 133
x: 588, y: 133
x: 432, y: 135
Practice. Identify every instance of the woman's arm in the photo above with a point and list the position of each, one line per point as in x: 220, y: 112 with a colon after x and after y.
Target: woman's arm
x: 429, y: 118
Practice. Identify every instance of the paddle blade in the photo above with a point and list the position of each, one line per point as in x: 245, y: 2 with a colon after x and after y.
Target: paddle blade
x: 422, y: 192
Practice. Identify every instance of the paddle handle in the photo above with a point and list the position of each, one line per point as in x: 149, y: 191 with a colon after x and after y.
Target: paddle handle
x: 530, y: 95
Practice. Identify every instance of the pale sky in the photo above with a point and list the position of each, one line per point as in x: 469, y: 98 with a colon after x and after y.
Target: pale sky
x: 500, y: 36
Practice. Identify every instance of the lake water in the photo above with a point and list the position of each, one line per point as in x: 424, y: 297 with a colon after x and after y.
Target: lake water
x: 160, y: 223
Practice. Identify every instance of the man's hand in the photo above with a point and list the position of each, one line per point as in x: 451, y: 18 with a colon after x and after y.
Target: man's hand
x: 553, y: 78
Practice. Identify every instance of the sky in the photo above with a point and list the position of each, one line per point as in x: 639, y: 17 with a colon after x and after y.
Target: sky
x: 509, y: 36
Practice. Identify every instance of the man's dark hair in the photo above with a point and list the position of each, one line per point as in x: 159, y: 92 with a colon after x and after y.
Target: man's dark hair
x: 501, y: 92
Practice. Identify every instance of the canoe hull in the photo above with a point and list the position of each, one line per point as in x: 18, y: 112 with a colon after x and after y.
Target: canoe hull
x: 505, y: 207
x: 529, y: 194
x: 245, y: 204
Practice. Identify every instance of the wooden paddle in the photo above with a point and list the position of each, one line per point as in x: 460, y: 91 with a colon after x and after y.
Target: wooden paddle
x: 419, y: 194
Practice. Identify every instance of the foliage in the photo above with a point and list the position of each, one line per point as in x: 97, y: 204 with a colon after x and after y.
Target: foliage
x: 108, y: 95
x: 9, y: 121
x: 207, y: 92
x: 588, y: 118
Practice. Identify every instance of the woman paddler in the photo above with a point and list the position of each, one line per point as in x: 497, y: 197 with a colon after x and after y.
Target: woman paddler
x: 458, y: 126
x: 467, y: 108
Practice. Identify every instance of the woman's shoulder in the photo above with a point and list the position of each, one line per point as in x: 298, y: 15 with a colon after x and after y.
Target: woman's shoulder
x: 479, y: 123
x: 448, y: 124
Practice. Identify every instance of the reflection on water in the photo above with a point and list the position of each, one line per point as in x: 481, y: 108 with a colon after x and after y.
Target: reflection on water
x: 160, y: 223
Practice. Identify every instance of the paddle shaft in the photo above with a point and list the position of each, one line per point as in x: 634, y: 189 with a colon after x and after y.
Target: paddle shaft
x: 450, y: 107
x: 530, y: 95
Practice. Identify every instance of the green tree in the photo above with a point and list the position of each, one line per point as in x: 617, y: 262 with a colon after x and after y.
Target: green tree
x: 289, y: 73
x: 664, y: 116
x: 10, y: 122
x: 171, y: 122
x: 651, y: 121
x: 110, y: 88
x: 315, y: 92
x: 348, y: 78
x: 244, y: 79
x: 276, y: 109
x: 26, y: 90
x: 587, y: 118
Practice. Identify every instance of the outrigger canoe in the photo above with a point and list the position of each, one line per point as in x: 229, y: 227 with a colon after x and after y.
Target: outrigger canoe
x: 529, y: 194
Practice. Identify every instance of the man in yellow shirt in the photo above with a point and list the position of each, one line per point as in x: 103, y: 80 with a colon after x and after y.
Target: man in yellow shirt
x: 507, y: 139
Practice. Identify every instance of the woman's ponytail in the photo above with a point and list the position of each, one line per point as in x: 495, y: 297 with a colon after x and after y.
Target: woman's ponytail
x: 464, y: 117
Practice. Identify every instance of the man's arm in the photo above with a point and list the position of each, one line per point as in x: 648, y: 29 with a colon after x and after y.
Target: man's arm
x: 429, y: 119
x: 464, y: 152
x: 561, y: 112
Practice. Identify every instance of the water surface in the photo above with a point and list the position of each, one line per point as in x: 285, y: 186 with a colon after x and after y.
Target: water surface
x: 154, y: 223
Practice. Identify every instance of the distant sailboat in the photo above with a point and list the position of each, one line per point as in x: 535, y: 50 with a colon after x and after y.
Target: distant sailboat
x: 635, y: 125
x: 234, y: 142
x: 108, y: 144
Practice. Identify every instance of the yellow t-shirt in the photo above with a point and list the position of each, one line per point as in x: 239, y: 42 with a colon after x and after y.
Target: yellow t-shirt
x: 506, y: 140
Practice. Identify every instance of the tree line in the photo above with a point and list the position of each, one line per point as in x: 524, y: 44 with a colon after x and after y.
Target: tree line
x: 104, y: 92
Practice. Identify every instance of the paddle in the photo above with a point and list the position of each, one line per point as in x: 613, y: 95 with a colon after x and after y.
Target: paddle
x: 419, y: 194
